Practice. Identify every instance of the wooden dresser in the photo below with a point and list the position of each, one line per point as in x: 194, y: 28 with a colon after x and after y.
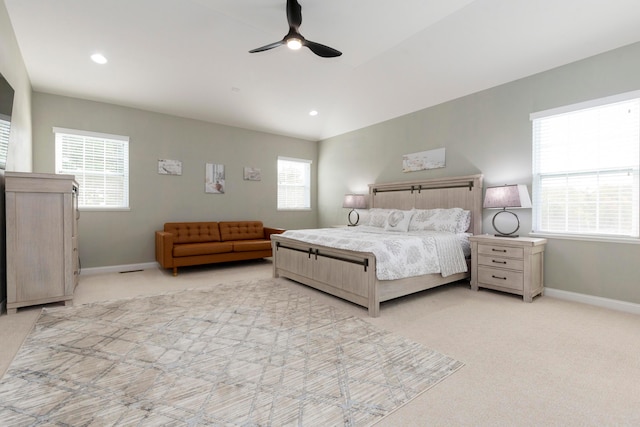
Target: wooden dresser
x: 514, y: 265
x: 42, y: 238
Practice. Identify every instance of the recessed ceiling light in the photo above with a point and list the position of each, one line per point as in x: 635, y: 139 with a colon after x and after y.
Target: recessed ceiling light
x: 98, y: 58
x: 313, y: 113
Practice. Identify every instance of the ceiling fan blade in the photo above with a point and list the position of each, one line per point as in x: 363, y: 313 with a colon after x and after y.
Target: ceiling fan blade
x: 294, y: 14
x: 322, y: 50
x: 267, y: 47
x: 293, y: 37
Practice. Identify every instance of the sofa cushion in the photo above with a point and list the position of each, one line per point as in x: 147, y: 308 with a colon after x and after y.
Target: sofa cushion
x: 241, y: 230
x: 193, y: 232
x: 209, y: 248
x: 251, y: 245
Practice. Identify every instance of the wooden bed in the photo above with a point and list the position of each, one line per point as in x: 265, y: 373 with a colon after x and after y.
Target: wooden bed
x: 352, y: 275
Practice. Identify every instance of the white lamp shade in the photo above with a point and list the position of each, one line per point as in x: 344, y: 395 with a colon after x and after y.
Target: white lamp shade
x: 507, y: 196
x: 355, y: 201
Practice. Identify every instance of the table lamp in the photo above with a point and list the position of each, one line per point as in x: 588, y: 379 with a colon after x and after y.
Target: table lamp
x: 503, y: 197
x: 354, y: 201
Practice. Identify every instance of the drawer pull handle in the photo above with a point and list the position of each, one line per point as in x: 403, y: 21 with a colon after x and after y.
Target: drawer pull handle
x: 498, y: 277
x: 498, y: 262
x: 498, y: 250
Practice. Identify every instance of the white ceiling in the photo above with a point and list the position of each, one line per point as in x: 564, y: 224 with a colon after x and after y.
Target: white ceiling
x: 190, y: 58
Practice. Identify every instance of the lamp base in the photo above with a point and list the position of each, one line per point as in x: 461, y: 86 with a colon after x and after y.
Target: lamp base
x: 502, y: 232
x: 351, y: 223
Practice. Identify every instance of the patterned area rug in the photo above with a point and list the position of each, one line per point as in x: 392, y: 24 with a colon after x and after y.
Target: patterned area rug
x: 244, y: 354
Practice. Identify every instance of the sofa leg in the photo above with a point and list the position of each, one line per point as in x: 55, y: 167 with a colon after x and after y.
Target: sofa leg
x: 175, y: 271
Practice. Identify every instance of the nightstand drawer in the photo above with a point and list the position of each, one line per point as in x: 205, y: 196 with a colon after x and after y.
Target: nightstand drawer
x: 507, y: 251
x: 502, y: 278
x: 493, y: 261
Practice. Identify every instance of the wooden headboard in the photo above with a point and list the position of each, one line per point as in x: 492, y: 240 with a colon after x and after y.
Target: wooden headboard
x: 456, y: 192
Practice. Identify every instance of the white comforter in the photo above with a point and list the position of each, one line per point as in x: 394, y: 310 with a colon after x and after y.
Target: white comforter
x: 398, y: 255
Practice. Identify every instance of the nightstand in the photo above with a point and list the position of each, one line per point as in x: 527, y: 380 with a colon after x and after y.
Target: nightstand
x: 514, y: 265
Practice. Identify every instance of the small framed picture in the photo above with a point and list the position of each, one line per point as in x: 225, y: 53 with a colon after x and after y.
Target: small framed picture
x: 252, y: 174
x: 169, y: 167
x: 214, y: 178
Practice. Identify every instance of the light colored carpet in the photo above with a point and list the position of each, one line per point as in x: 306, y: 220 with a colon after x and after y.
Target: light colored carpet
x: 548, y: 363
x: 241, y: 353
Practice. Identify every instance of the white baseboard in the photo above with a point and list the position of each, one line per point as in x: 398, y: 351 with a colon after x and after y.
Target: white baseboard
x: 613, y: 304
x: 118, y: 268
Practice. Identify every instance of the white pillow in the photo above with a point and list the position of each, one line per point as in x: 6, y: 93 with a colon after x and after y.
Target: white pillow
x: 450, y: 220
x: 364, y: 216
x: 398, y: 220
x: 465, y: 222
x: 377, y: 217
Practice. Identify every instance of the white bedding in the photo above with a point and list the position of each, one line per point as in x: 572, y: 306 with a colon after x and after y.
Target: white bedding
x: 398, y: 255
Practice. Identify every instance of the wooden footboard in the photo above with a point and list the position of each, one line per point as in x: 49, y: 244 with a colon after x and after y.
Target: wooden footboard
x: 345, y: 274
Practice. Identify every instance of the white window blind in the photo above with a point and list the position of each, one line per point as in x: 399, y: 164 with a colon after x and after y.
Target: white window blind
x: 294, y: 184
x: 586, y: 161
x: 100, y: 163
x: 5, y: 129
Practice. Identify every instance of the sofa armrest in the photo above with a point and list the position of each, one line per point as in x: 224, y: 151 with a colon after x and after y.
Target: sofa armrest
x: 268, y: 231
x: 164, y: 249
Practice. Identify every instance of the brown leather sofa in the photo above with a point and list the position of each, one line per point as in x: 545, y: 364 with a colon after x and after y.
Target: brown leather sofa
x: 193, y: 243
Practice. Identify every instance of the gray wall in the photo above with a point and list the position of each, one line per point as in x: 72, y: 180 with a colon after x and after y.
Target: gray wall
x: 490, y: 133
x: 119, y: 238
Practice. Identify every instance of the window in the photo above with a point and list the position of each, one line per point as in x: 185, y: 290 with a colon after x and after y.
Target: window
x: 100, y: 163
x: 586, y: 159
x: 5, y: 129
x: 294, y: 184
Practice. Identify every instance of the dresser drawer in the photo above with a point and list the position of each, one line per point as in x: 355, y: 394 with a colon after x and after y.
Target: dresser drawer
x: 494, y: 261
x: 502, y: 278
x: 506, y: 251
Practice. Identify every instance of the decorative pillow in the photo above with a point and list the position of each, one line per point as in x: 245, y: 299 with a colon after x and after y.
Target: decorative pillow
x: 378, y: 217
x: 398, y: 220
x: 465, y: 222
x: 364, y: 216
x: 450, y: 220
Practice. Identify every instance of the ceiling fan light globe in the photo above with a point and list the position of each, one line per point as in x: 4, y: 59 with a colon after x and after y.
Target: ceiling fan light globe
x: 294, y: 44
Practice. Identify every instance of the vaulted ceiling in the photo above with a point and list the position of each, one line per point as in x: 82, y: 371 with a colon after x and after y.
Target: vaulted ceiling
x: 190, y: 58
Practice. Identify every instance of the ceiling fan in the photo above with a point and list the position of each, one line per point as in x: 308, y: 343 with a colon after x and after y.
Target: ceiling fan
x: 294, y: 39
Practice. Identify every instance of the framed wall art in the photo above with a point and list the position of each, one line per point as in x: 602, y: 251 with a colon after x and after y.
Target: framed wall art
x: 252, y: 174
x: 431, y: 159
x: 169, y: 167
x: 214, y: 178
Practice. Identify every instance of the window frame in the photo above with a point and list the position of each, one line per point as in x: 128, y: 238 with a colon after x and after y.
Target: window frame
x: 307, y: 185
x: 111, y: 138
x: 536, y: 174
